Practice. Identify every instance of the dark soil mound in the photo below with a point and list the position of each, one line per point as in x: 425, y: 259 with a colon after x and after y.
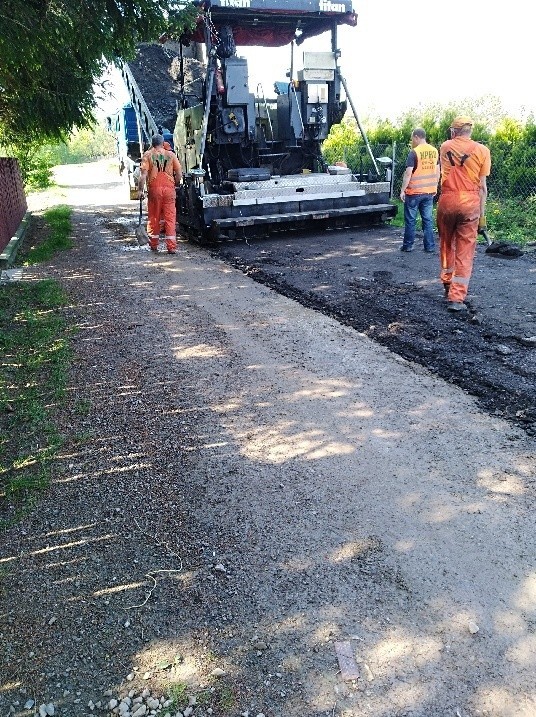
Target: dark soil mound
x: 156, y: 69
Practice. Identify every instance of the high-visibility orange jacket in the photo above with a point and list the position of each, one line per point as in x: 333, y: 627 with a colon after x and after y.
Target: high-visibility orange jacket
x: 161, y: 162
x: 463, y: 162
x: 424, y: 178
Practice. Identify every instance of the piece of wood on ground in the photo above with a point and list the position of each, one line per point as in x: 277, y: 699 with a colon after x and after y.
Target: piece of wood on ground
x: 347, y: 663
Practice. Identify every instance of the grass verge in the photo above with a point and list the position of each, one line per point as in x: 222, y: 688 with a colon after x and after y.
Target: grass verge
x: 58, y: 220
x: 509, y: 220
x: 512, y: 220
x: 398, y: 221
x: 34, y: 360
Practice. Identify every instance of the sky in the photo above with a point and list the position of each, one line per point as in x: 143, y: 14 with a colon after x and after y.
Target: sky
x: 407, y: 54
x: 417, y: 52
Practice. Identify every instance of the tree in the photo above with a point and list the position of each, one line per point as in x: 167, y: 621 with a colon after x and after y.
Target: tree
x: 52, y: 53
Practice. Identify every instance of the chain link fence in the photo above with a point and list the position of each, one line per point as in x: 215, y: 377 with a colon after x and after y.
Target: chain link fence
x: 510, y: 178
x: 511, y: 204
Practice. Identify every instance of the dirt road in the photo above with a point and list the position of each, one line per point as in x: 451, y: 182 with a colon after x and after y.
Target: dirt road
x: 296, y: 484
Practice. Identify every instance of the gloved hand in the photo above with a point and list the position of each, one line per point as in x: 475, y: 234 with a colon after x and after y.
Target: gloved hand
x: 482, y: 224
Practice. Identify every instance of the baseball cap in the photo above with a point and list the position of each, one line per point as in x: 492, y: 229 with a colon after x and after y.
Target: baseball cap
x: 461, y: 121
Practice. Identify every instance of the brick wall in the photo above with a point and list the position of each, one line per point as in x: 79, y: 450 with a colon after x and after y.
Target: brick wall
x: 12, y: 199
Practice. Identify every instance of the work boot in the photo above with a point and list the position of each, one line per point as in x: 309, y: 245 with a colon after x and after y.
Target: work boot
x: 406, y: 248
x: 456, y: 306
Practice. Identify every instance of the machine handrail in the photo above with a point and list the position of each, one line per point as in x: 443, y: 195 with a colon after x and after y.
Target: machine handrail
x: 142, y: 111
x: 266, y: 108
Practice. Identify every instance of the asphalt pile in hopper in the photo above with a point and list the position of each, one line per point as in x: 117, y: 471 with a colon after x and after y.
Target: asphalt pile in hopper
x: 156, y: 69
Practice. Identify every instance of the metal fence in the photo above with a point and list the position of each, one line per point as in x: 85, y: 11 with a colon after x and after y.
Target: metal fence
x: 12, y: 199
x: 510, y: 180
x: 511, y: 202
x: 398, y: 153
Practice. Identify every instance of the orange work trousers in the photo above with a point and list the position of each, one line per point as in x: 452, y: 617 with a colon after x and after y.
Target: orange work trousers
x: 161, y: 203
x: 457, y: 224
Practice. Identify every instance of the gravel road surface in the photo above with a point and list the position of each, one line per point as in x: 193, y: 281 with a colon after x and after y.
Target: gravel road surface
x: 254, y: 487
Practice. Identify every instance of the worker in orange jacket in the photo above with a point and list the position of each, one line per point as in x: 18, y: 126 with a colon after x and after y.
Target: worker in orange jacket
x: 419, y: 187
x: 465, y: 165
x: 161, y: 170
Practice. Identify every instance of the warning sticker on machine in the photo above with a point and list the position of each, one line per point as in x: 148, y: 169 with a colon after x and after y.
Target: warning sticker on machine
x: 235, y: 3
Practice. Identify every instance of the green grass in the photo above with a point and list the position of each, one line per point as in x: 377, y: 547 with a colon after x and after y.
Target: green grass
x: 4, y: 574
x: 509, y: 220
x: 226, y: 699
x: 35, y: 355
x: 34, y: 359
x: 178, y: 696
x: 83, y: 406
x: 398, y: 221
x: 204, y: 698
x: 512, y: 220
x: 222, y: 697
x: 58, y: 238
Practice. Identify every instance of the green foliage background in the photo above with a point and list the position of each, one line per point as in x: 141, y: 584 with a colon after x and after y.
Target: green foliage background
x: 52, y: 53
x: 37, y: 159
x: 512, y: 142
x: 511, y: 207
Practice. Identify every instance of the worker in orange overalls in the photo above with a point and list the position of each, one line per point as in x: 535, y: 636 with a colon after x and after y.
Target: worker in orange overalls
x: 465, y: 164
x: 161, y: 170
x: 162, y: 223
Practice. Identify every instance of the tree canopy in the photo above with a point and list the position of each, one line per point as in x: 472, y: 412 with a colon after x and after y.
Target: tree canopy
x: 53, y: 51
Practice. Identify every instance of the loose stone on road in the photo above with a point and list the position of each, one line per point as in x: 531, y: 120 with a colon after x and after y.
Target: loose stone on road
x: 287, y: 482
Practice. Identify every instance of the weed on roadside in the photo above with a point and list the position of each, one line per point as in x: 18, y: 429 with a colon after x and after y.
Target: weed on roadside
x: 178, y: 696
x: 226, y: 699
x: 83, y: 437
x: 83, y: 406
x: 34, y: 359
x: 4, y: 573
x: 512, y: 220
x: 57, y: 237
x: 220, y: 698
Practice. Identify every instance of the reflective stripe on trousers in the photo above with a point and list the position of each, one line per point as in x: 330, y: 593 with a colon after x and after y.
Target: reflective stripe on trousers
x: 161, y: 203
x: 457, y: 223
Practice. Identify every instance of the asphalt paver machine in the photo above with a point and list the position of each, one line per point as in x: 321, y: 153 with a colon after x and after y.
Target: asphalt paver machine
x: 253, y: 164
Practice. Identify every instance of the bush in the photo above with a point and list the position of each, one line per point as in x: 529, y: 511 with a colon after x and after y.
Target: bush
x: 512, y: 220
x: 342, y: 145
x: 36, y: 160
x: 85, y: 145
x: 512, y: 183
